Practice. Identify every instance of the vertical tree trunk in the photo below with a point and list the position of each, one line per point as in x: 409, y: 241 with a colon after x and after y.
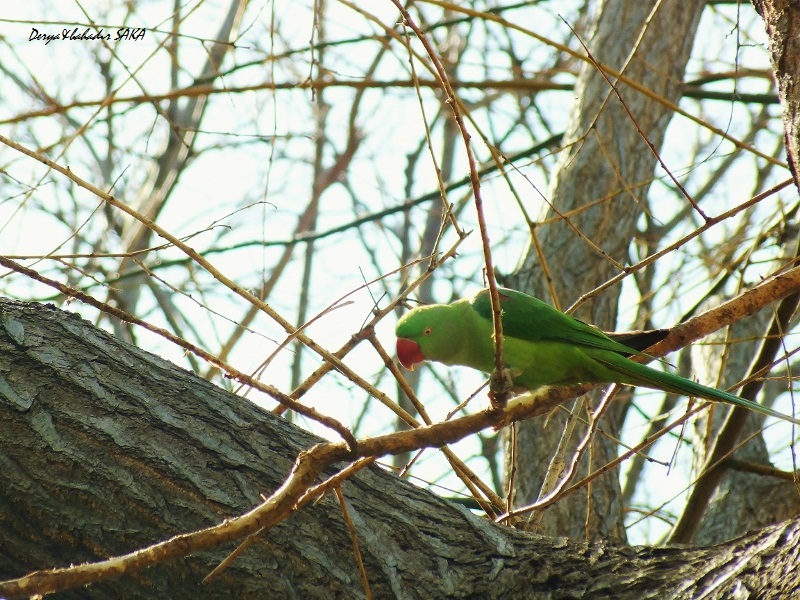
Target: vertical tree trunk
x: 602, y: 182
x: 782, y: 20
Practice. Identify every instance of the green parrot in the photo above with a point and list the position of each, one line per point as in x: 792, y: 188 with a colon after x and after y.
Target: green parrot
x: 542, y: 347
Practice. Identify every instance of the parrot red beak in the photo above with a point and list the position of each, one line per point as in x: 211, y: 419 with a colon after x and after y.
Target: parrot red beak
x: 408, y: 353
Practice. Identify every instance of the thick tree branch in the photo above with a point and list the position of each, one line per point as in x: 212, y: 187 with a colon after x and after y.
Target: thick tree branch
x: 106, y: 449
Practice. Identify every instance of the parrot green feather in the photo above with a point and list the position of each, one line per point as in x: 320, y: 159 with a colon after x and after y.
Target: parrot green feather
x: 542, y: 347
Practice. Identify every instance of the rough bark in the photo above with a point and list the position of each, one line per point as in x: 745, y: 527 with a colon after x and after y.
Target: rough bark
x: 602, y: 182
x: 106, y: 448
x: 782, y: 21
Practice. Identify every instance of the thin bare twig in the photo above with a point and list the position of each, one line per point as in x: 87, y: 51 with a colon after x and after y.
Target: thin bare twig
x: 501, y: 382
x: 351, y: 528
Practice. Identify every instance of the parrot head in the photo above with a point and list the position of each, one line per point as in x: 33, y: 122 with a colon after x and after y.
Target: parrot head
x: 427, y: 333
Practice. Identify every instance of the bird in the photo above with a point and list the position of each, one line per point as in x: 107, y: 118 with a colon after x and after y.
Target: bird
x: 542, y: 347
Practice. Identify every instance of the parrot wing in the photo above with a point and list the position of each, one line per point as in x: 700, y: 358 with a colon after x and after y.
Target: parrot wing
x: 528, y: 318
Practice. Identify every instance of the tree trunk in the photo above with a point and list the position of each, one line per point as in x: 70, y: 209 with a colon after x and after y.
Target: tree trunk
x: 782, y: 21
x: 106, y: 448
x: 602, y: 182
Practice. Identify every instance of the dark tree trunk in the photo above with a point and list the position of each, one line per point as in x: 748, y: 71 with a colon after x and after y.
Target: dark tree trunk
x: 105, y: 448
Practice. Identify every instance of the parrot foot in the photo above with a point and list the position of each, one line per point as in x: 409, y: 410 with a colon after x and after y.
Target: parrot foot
x: 501, y: 388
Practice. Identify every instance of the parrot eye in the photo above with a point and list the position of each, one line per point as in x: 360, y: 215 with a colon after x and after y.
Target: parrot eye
x: 427, y: 331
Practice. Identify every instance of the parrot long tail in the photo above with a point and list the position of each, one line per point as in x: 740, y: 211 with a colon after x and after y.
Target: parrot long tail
x: 638, y: 374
